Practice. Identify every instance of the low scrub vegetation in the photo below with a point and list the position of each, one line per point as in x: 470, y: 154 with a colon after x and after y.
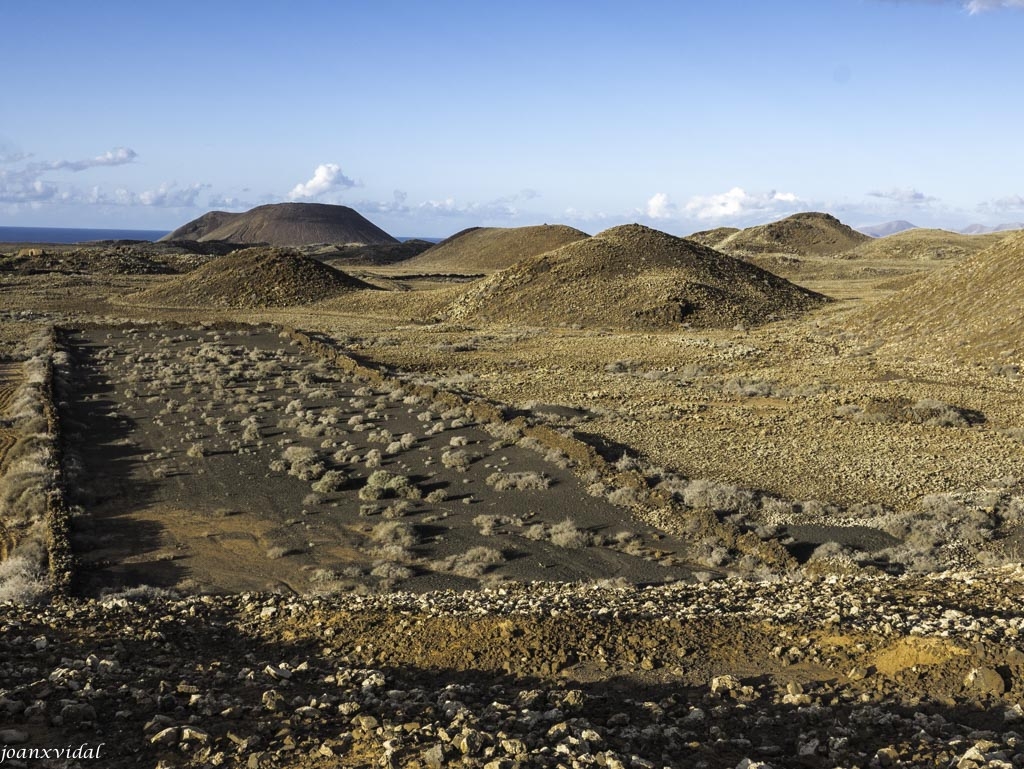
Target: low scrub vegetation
x: 926, y: 411
x: 22, y: 578
x: 473, y: 563
x: 30, y: 476
x: 521, y: 481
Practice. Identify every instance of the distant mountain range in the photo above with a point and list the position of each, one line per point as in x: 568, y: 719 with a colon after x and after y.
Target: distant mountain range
x: 887, y: 228
x: 979, y: 229
x: 901, y: 225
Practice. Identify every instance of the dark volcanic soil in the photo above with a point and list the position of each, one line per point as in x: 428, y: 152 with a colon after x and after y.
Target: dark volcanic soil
x: 175, y: 435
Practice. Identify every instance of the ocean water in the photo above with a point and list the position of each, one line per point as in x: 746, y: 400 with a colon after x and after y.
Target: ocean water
x: 82, y: 235
x: 73, y: 234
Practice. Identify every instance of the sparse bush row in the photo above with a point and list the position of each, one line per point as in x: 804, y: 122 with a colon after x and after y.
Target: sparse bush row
x: 32, y: 490
x: 631, y: 487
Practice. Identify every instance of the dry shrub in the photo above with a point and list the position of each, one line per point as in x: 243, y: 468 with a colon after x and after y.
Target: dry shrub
x: 503, y: 431
x: 457, y: 460
x: 558, y: 458
x: 927, y: 411
x: 396, y: 509
x: 389, y: 571
x: 472, y: 564
x: 625, y: 463
x: 567, y: 534
x: 537, y: 532
x: 525, y: 481
x: 302, y: 463
x: 938, y: 414
x: 711, y: 551
x: 394, y: 533
x: 487, y: 524
x: 384, y: 485
x: 22, y: 579
x: 720, y: 497
x: 330, y: 482
x: 623, y: 497
x: 29, y: 475
x: 436, y: 496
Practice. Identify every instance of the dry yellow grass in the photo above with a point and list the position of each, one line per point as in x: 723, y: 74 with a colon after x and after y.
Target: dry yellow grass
x: 940, y: 245
x: 972, y: 307
x: 487, y: 249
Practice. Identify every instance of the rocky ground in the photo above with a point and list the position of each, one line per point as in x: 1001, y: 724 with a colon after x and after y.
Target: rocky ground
x: 847, y: 672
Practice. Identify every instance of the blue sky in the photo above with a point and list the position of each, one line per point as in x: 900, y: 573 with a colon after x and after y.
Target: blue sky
x: 429, y: 117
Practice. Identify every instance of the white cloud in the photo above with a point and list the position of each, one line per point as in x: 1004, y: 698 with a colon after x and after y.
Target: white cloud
x: 592, y: 219
x: 447, y: 208
x: 227, y: 202
x: 28, y: 185
x: 327, y: 178
x: 524, y: 194
x: 907, y: 196
x: 979, y: 6
x: 497, y: 208
x: 973, y: 6
x: 118, y: 156
x: 737, y: 203
x: 396, y: 206
x: 9, y: 155
x: 660, y: 206
x: 172, y: 196
x: 493, y: 209
x: 24, y: 186
x: 167, y: 195
x: 1009, y: 203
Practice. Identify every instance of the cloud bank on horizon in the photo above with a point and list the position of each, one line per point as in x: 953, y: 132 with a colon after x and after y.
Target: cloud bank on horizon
x: 892, y: 109
x: 28, y: 184
x: 736, y: 206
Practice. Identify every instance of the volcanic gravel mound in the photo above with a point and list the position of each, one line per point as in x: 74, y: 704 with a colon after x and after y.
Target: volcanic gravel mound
x: 972, y: 307
x: 254, y: 278
x: 804, y: 234
x: 486, y: 249
x: 634, y: 277
x: 284, y: 224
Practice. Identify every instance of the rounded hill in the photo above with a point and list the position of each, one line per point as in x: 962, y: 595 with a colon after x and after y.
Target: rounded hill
x: 804, y: 234
x: 633, y: 277
x: 487, y: 249
x: 253, y: 278
x: 198, y: 228
x: 712, y: 238
x: 924, y: 244
x: 972, y: 307
x: 285, y: 224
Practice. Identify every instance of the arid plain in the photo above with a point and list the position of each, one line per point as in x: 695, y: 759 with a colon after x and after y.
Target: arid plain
x: 527, y: 497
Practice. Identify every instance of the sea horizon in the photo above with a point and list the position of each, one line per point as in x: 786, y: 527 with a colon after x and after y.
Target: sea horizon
x: 66, y: 235
x: 74, y: 234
